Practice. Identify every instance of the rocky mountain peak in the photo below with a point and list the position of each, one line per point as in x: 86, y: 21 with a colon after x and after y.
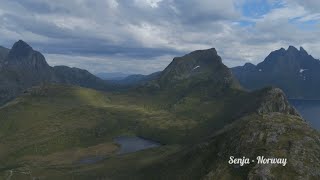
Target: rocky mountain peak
x: 22, y: 56
x: 20, y: 49
x: 274, y: 100
x: 200, y: 65
x: 249, y: 66
x: 292, y: 70
x: 24, y: 67
x: 292, y: 49
x: 291, y: 59
x: 303, y: 51
x: 205, y: 52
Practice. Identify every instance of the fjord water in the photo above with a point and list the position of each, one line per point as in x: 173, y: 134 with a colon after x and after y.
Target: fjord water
x: 309, y: 110
x: 133, y: 144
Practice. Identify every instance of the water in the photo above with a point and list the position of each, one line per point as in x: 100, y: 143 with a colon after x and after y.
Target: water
x: 133, y: 144
x: 91, y: 160
x: 309, y: 109
x: 127, y: 145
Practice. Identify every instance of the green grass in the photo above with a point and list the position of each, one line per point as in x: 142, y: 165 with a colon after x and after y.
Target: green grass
x: 51, y: 127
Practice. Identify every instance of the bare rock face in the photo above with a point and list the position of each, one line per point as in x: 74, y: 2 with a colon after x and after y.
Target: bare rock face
x: 274, y: 100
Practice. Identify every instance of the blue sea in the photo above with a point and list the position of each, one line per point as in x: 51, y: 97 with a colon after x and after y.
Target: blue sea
x: 309, y: 110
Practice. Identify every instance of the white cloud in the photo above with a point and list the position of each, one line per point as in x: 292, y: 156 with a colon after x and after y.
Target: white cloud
x: 311, y: 5
x: 151, y: 3
x: 91, y: 34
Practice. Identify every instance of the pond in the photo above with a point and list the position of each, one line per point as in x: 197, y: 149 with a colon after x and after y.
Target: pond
x: 91, y: 160
x: 129, y: 144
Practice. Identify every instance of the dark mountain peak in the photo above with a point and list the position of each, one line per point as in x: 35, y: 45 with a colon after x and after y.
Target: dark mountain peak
x: 290, y: 59
x: 292, y: 70
x: 23, y: 57
x: 294, y: 51
x: 200, y: 65
x: 211, y: 51
x: 202, y: 56
x: 279, y: 52
x: 20, y: 48
x: 199, y: 57
x: 303, y: 51
x: 249, y: 65
x: 292, y: 48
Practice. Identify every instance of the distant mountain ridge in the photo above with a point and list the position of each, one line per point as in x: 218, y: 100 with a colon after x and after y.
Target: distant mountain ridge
x: 22, y: 67
x: 112, y: 76
x: 293, y: 70
x: 136, y: 79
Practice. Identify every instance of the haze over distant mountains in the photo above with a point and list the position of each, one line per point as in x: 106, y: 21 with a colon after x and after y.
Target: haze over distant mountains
x: 112, y: 76
x: 294, y: 71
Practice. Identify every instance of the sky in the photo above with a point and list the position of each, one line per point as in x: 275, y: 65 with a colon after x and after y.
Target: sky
x: 143, y: 36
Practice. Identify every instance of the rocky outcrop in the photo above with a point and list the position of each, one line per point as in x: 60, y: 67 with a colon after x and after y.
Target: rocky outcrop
x: 274, y: 100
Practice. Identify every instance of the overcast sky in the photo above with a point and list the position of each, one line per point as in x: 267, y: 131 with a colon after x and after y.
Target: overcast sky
x: 143, y: 36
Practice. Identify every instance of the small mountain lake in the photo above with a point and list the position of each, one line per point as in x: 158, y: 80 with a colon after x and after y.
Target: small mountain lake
x: 309, y: 110
x: 129, y: 144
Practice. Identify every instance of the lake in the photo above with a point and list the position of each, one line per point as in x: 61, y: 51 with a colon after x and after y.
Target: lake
x: 130, y: 144
x: 309, y: 110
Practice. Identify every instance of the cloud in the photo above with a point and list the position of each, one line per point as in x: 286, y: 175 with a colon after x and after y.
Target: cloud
x: 91, y: 34
x: 310, y: 5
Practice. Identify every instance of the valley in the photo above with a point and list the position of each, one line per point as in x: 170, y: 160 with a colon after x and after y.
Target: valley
x: 195, y: 108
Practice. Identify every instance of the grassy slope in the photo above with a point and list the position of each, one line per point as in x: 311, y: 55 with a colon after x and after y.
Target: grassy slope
x: 49, y: 129
x: 53, y: 119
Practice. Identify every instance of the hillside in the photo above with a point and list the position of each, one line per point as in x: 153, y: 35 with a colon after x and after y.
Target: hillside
x: 22, y: 68
x: 293, y: 70
x: 195, y: 108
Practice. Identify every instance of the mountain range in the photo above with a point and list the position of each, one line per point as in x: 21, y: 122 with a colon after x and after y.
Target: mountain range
x: 294, y: 71
x: 21, y: 68
x: 195, y: 108
x: 112, y: 76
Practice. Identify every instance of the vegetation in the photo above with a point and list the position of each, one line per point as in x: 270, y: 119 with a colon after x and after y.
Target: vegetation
x: 195, y: 108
